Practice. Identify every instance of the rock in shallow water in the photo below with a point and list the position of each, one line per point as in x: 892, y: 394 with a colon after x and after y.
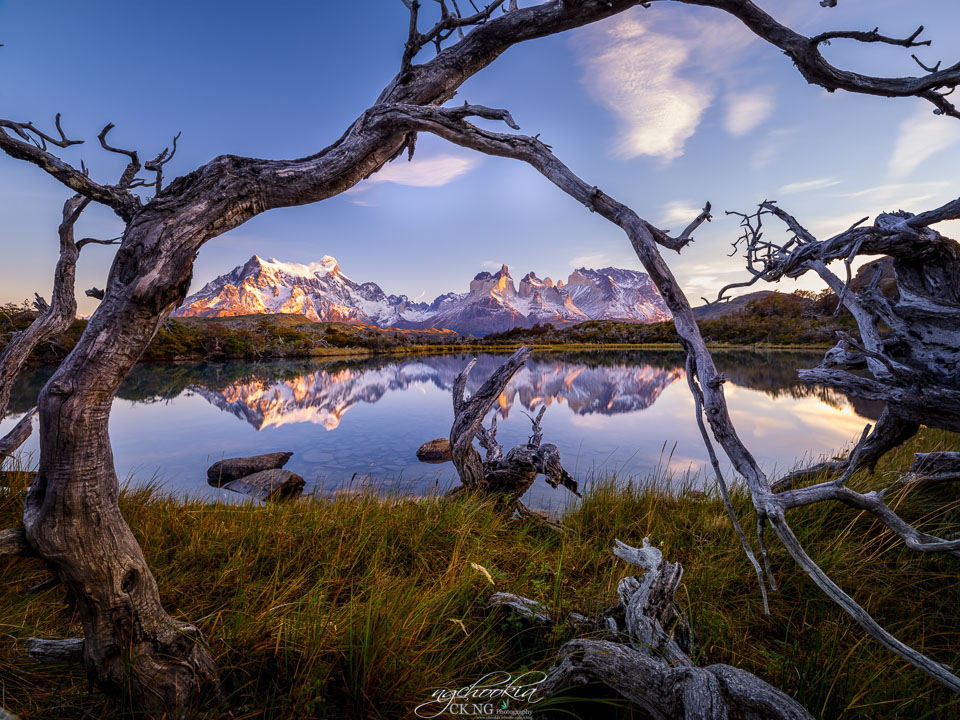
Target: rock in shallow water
x: 224, y: 471
x: 268, y: 485
x: 435, y: 451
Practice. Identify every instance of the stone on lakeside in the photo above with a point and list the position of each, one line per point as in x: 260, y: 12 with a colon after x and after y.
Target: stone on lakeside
x: 224, y: 471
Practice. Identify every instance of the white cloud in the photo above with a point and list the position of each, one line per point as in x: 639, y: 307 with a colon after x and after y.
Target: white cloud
x: 922, y: 135
x: 424, y: 172
x: 679, y: 212
x: 637, y: 74
x: 745, y: 111
x: 657, y: 111
x: 808, y: 185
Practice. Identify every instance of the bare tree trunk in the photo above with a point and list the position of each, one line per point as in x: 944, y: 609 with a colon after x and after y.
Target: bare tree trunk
x: 71, y: 515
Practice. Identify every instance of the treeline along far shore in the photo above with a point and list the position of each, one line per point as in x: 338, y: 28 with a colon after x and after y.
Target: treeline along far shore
x: 800, y: 318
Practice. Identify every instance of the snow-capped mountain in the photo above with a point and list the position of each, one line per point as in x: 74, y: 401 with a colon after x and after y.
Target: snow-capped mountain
x: 321, y: 292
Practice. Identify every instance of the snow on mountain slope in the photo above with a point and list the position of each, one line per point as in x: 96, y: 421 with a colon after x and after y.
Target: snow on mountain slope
x: 321, y: 292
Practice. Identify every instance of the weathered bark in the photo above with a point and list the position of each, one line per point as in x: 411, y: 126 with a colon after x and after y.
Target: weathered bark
x: 236, y: 468
x: 14, y: 542
x: 932, y: 469
x: 530, y: 611
x: 11, y: 442
x: 644, y: 650
x: 506, y: 477
x: 910, y: 345
x: 71, y: 514
x: 59, y: 652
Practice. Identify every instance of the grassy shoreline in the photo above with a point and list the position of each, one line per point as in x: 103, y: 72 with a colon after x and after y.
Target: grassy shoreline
x: 360, y: 605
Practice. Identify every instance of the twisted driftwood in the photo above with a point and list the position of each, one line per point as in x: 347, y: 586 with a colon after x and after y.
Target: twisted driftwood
x: 509, y: 476
x: 909, y: 344
x: 642, y: 648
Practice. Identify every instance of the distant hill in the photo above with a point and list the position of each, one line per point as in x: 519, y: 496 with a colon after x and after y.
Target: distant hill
x: 728, y: 307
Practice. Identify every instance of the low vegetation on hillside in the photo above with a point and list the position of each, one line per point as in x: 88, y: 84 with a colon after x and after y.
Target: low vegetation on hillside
x: 800, y: 318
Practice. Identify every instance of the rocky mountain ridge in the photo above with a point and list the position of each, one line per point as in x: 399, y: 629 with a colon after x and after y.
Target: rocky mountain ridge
x: 321, y: 292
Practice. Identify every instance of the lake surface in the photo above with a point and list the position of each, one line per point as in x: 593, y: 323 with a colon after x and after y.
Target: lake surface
x: 623, y: 412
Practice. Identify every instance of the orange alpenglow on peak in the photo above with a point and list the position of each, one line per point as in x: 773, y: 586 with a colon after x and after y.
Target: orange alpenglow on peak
x: 321, y: 292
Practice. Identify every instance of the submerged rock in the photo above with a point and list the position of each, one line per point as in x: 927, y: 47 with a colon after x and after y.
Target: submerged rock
x: 273, y: 484
x: 224, y: 471
x: 435, y: 451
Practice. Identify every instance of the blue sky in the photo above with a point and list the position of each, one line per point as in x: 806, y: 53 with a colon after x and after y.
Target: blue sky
x: 663, y: 108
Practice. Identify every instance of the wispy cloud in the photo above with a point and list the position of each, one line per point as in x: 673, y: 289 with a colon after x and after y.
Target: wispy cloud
x: 657, y: 110
x: 638, y: 71
x: 893, y: 192
x: 432, y: 171
x: 769, y: 147
x: 589, y: 261
x: 823, y: 227
x: 808, y: 185
x: 679, y: 213
x: 922, y: 135
x: 745, y: 111
x: 705, y: 281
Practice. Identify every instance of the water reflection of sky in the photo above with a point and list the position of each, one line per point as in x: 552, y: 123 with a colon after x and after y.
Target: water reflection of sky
x: 625, y: 413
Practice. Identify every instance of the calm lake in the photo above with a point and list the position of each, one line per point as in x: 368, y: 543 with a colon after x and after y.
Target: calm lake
x: 623, y: 412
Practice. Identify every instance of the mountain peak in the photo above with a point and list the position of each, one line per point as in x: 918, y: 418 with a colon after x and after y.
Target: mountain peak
x: 329, y: 263
x: 327, y: 266
x: 320, y: 291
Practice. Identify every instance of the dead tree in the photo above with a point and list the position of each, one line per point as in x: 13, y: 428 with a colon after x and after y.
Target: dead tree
x: 505, y: 477
x: 642, y: 649
x: 71, y: 517
x: 908, y: 346
x: 54, y: 318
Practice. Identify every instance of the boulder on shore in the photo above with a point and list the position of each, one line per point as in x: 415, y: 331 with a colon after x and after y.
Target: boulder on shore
x: 435, y: 451
x: 273, y: 484
x: 224, y: 471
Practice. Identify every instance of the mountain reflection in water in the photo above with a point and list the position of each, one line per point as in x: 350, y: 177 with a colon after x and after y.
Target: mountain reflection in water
x: 610, y: 411
x: 324, y: 395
